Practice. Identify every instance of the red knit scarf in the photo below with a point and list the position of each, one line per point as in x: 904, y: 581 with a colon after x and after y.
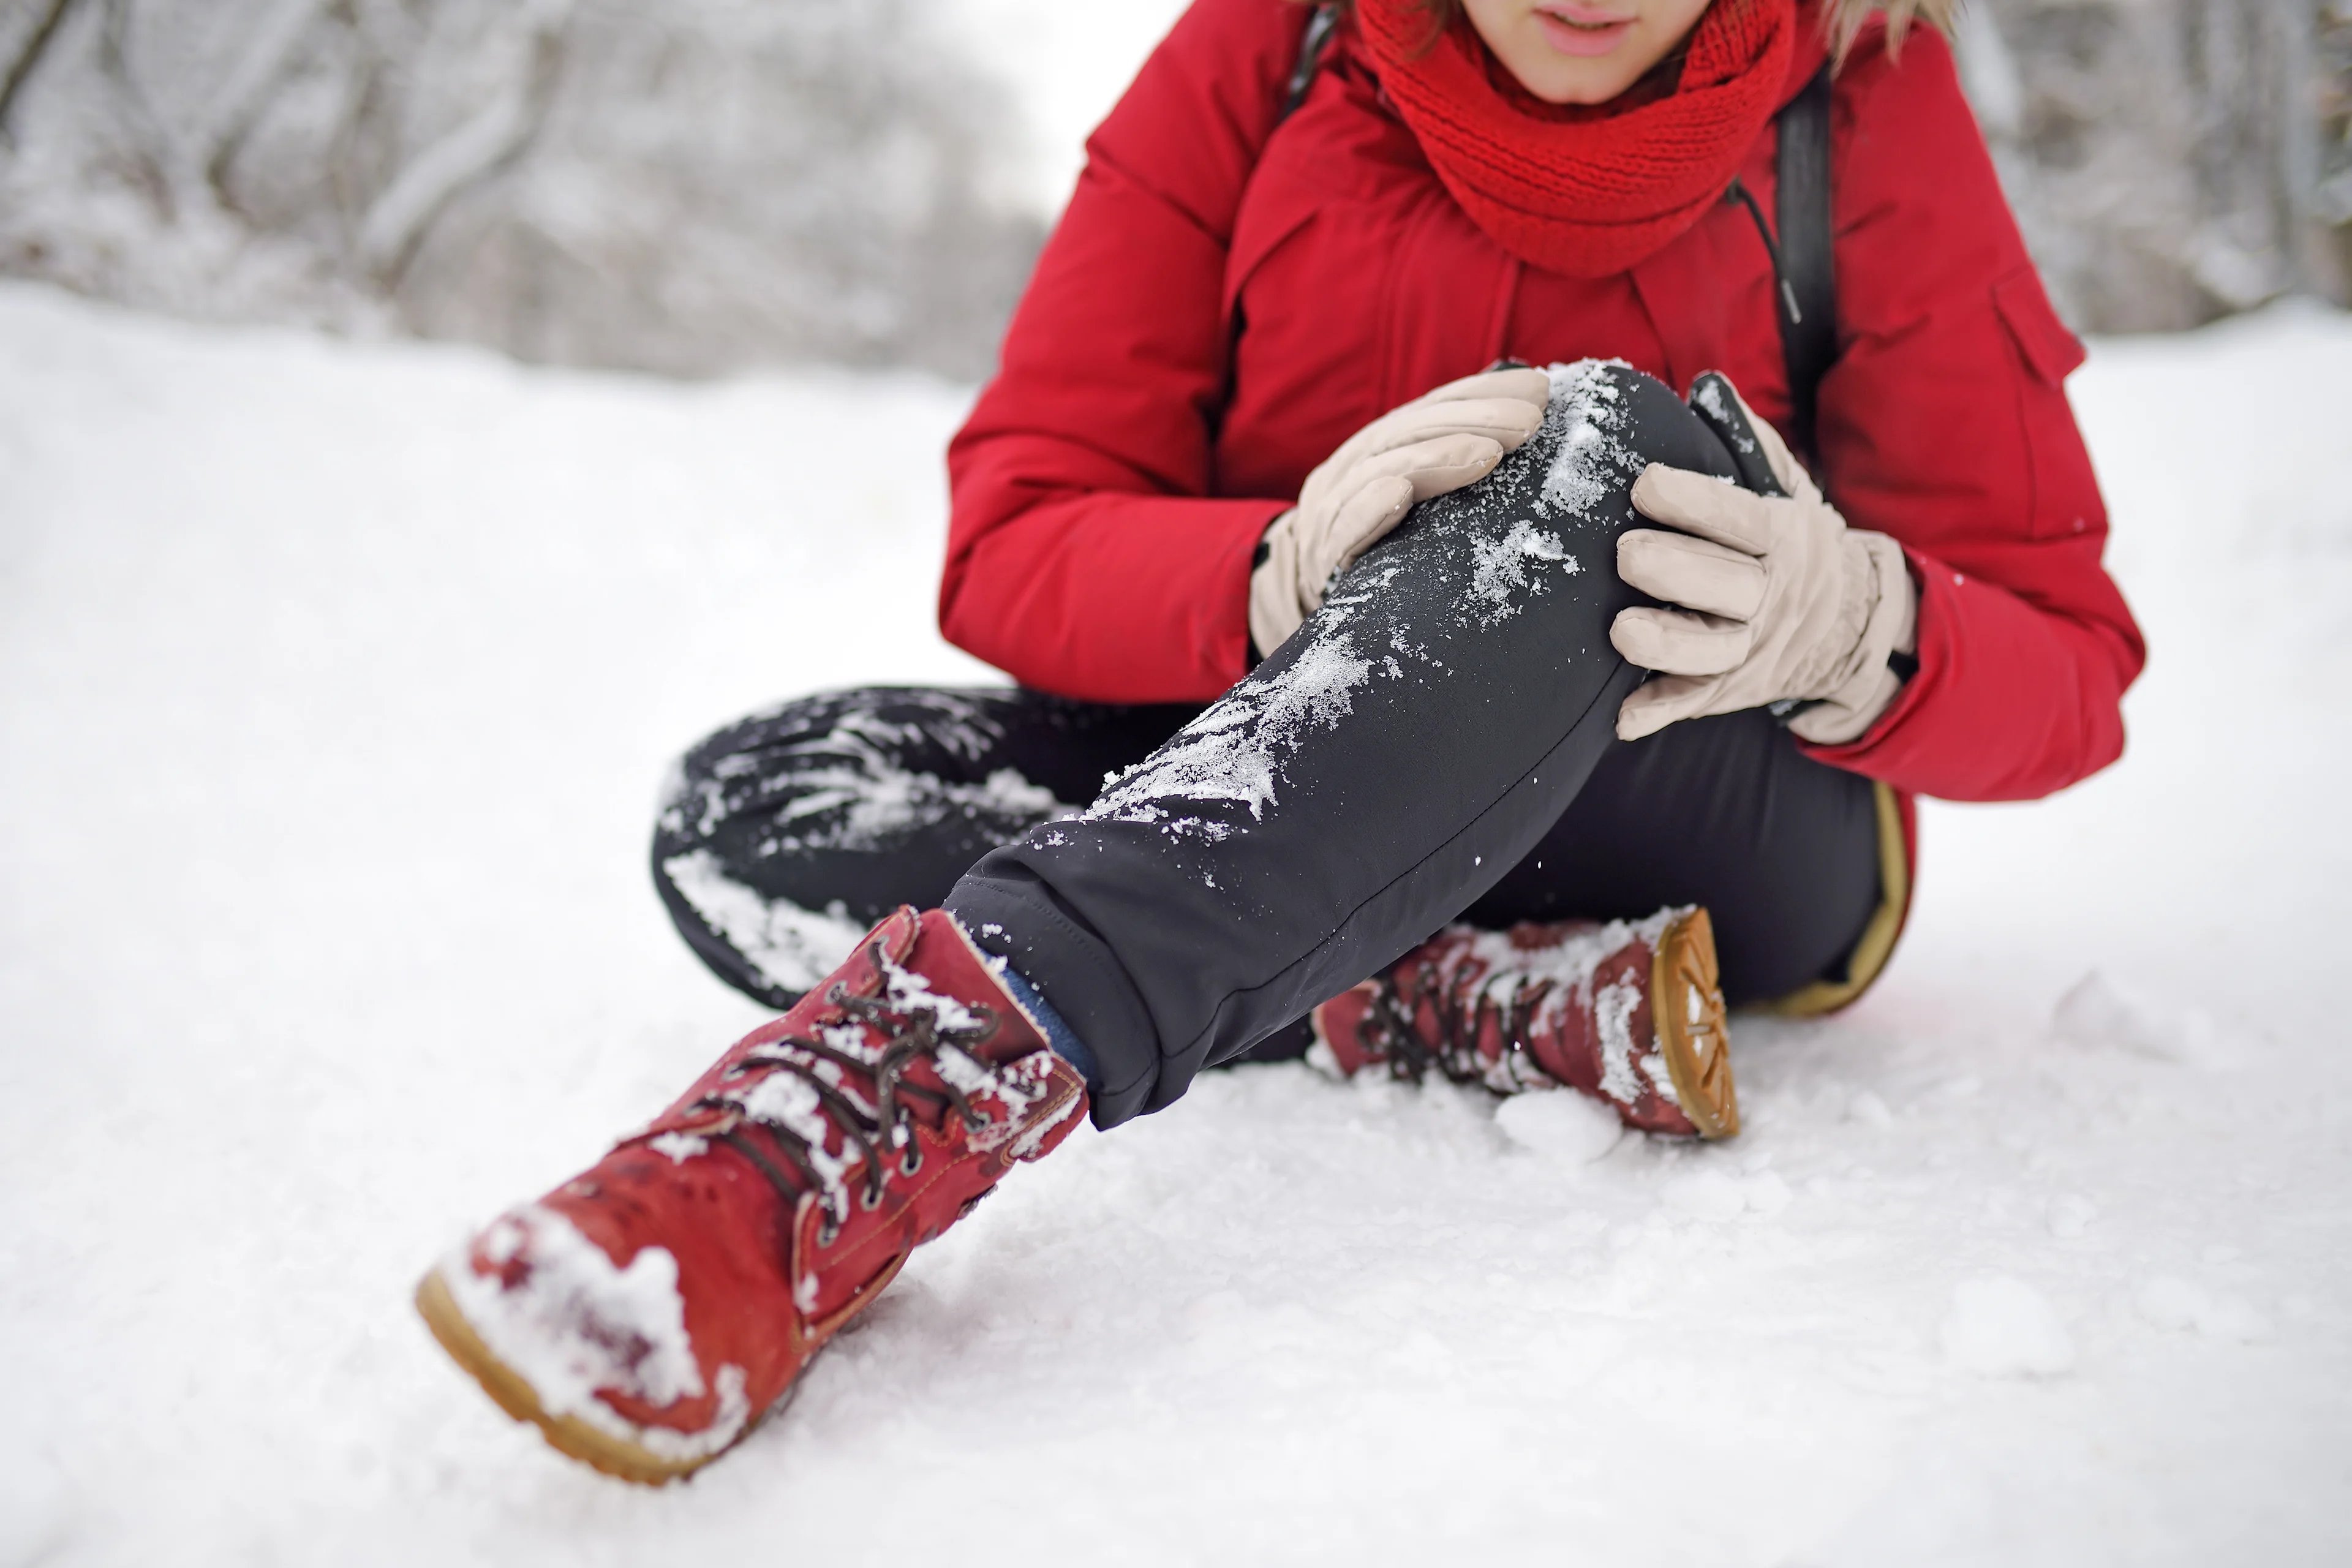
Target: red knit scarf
x: 1580, y: 195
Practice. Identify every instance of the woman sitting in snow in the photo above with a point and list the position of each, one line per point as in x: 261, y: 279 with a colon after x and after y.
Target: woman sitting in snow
x: 1583, y: 676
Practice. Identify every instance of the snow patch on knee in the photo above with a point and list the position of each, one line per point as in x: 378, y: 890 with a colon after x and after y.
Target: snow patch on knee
x: 1586, y: 421
x: 1501, y: 566
x: 1584, y: 457
x: 1233, y: 753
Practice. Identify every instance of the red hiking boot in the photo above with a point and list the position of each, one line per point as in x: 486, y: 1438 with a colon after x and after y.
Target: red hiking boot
x: 1631, y: 1014
x: 648, y: 1312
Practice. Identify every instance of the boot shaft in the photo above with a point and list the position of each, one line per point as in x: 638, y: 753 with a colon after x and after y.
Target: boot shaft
x: 1628, y: 1013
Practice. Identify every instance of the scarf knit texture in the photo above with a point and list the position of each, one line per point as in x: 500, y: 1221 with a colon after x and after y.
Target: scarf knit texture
x: 1584, y: 194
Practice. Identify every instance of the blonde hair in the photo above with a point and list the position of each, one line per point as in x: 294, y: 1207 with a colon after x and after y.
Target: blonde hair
x: 1842, y: 20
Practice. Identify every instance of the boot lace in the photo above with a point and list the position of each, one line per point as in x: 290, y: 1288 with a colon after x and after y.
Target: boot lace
x: 907, y: 1035
x: 1460, y: 1000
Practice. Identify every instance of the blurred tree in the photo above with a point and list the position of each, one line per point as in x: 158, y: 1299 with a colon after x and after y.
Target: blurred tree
x: 2171, y: 160
x: 683, y: 185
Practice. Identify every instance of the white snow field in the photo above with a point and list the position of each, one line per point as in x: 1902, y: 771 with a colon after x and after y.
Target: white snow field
x: 335, y: 685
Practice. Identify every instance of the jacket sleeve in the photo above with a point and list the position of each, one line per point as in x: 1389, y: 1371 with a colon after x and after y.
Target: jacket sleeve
x: 1944, y: 424
x: 1086, y: 555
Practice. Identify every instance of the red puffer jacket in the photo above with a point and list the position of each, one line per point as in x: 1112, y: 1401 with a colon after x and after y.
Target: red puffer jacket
x: 1113, y: 481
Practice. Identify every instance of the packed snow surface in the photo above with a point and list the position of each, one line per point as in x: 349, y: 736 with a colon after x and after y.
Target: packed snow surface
x: 337, y: 686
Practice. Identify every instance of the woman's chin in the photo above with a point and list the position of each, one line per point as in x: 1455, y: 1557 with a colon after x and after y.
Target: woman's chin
x: 1585, y: 82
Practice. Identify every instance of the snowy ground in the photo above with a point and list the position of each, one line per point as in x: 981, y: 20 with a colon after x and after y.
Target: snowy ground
x: 334, y: 686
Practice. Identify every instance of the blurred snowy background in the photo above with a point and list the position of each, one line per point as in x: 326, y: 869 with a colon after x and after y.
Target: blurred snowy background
x: 677, y: 185
x: 336, y: 679
x: 699, y: 186
x: 682, y: 186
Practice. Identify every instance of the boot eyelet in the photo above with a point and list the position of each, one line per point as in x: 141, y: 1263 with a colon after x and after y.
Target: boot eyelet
x: 911, y: 1161
x: 827, y: 1234
x: 869, y: 1198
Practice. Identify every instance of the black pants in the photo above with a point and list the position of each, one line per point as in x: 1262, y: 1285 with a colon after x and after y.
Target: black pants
x: 1437, y: 743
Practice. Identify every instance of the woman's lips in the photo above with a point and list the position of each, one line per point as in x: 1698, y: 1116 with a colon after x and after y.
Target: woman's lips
x: 1582, y: 30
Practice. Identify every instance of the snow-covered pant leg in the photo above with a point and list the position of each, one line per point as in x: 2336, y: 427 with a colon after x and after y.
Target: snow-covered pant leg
x: 1369, y: 782
x: 782, y: 838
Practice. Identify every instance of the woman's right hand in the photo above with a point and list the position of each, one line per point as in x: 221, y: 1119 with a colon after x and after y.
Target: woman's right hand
x: 1440, y: 441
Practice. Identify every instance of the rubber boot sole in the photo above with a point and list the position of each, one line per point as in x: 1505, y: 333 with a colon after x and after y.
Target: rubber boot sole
x: 1686, y: 1014
x: 568, y: 1435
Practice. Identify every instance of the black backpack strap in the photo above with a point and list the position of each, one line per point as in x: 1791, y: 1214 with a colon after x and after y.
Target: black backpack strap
x: 1313, y: 42
x: 1320, y: 25
x: 1808, y: 270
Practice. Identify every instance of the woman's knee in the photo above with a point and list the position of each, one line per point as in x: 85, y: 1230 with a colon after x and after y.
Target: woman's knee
x: 823, y: 754
x: 1643, y: 415
x: 1606, y: 422
x: 709, y: 783
x: 1539, y: 532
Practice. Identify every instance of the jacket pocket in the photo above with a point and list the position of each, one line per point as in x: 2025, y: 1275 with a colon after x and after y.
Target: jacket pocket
x: 2051, y: 352
x: 2066, y: 500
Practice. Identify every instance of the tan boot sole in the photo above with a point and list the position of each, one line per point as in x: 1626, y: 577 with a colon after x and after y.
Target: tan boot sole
x: 1687, y: 1015
x: 566, y: 1434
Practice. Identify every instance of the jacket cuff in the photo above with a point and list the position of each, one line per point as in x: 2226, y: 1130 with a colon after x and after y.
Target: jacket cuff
x: 1274, y: 586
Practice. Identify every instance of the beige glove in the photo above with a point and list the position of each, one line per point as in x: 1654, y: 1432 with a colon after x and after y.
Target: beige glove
x: 1780, y: 600
x: 1440, y: 441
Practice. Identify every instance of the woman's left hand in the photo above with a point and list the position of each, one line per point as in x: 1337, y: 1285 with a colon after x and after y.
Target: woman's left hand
x: 1773, y: 599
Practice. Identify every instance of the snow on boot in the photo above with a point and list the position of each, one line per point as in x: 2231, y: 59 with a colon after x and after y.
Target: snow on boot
x: 1631, y: 1014
x: 648, y: 1312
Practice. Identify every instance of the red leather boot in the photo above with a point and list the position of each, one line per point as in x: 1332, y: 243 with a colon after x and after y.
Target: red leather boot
x: 1631, y: 1014
x: 648, y: 1312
